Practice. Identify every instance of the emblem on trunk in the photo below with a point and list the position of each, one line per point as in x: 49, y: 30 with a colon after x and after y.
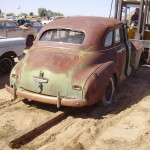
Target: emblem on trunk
x: 39, y: 81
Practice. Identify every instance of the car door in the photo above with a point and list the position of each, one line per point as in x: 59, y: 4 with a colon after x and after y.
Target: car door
x: 2, y: 29
x: 12, y: 30
x: 120, y: 49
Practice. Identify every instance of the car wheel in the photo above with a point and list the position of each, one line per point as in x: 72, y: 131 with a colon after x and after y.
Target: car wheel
x: 29, y: 41
x: 6, y: 64
x: 109, y: 92
x: 148, y: 62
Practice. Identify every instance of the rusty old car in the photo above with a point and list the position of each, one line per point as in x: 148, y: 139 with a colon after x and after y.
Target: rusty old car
x: 76, y: 61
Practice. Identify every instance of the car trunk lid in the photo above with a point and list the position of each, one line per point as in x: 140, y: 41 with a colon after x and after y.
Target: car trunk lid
x: 48, y: 71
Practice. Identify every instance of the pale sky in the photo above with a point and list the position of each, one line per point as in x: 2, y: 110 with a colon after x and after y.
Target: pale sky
x: 66, y: 7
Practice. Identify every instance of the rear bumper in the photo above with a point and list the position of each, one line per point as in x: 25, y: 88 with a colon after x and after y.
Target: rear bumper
x: 47, y: 99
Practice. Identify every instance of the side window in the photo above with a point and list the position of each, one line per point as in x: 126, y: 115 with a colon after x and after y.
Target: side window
x: 109, y: 39
x: 10, y: 25
x: 117, y: 36
x: 2, y: 25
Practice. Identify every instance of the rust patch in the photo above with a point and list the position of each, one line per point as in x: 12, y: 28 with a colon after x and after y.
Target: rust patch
x: 52, y: 59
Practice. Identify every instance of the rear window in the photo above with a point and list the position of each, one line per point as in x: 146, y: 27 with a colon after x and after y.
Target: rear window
x: 63, y: 35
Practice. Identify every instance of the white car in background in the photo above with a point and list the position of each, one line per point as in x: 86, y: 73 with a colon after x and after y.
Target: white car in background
x: 10, y: 48
x: 51, y: 19
x: 46, y: 22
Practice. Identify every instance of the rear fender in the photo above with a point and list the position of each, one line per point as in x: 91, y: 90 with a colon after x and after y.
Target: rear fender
x: 94, y: 88
x: 15, y: 73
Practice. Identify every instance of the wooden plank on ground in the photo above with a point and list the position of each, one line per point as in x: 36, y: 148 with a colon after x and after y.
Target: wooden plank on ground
x: 16, y: 140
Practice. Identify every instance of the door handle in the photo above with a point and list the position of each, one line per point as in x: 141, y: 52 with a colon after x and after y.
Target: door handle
x: 120, y: 51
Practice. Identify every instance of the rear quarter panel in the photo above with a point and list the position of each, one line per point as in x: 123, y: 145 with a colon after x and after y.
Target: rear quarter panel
x: 94, y: 88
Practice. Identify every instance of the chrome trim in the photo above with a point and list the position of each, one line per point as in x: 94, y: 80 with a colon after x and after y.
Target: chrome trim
x: 120, y: 51
x: 38, y: 80
x: 22, y: 56
x: 58, y: 100
x: 47, y: 99
x: 14, y: 91
x: 77, y: 49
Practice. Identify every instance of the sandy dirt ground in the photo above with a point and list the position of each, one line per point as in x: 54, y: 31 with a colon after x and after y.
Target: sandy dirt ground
x: 123, y: 126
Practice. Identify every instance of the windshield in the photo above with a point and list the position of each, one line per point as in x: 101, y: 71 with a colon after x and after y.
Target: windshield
x: 63, y: 35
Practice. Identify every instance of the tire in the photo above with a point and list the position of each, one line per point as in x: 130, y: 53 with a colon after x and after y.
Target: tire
x: 109, y: 92
x: 148, y: 62
x: 6, y: 64
x: 146, y: 56
x: 29, y: 41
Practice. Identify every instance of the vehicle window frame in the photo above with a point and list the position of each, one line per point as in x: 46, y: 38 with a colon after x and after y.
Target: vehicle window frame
x: 121, y: 35
x: 124, y: 33
x: 11, y: 27
x: 69, y: 33
x: 106, y: 46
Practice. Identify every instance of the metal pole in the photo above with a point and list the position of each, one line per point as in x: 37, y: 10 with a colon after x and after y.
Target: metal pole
x: 120, y: 10
x: 139, y: 29
x: 116, y: 9
x: 144, y: 17
x: 111, y: 8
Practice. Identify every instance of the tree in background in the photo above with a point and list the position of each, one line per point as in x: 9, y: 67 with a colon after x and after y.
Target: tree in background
x: 1, y: 14
x: 57, y: 14
x: 48, y: 13
x: 31, y: 13
x: 23, y: 15
x: 10, y: 14
x: 42, y: 12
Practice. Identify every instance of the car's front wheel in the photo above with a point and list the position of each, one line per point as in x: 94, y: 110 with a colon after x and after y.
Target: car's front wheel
x: 109, y: 92
x: 6, y: 64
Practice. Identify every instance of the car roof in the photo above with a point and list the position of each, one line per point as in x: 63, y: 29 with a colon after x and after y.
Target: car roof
x: 95, y: 29
x: 87, y: 24
x: 83, y: 22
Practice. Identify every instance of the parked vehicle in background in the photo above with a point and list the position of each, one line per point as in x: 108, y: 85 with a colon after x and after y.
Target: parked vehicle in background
x: 10, y: 29
x: 56, y: 17
x: 44, y: 22
x: 29, y: 24
x: 10, y: 48
x: 23, y: 21
x: 37, y: 27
